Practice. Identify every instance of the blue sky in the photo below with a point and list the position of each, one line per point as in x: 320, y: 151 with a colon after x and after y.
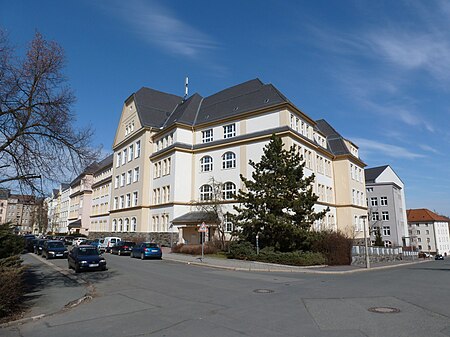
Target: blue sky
x: 378, y: 71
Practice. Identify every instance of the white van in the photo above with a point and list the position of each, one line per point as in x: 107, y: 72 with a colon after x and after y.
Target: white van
x: 108, y: 243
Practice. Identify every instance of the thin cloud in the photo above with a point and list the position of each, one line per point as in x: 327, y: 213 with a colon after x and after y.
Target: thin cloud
x: 158, y: 26
x: 428, y: 148
x: 394, y: 151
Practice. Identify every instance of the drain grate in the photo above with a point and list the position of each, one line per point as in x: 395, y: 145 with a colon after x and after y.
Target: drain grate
x: 384, y: 310
x: 263, y: 291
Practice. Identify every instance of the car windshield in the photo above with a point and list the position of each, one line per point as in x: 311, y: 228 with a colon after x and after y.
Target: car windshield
x: 151, y: 245
x: 87, y: 251
x: 55, y: 245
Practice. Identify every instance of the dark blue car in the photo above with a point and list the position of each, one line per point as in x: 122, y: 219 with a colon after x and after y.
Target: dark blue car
x: 86, y: 258
x: 146, y: 250
x: 54, y: 249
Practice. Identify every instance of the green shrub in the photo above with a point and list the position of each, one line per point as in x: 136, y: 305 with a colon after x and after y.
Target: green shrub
x: 242, y: 250
x: 209, y: 248
x: 335, y: 246
x: 11, y: 285
x: 297, y: 258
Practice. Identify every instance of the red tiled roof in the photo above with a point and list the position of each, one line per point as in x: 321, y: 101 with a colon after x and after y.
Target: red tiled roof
x: 423, y: 214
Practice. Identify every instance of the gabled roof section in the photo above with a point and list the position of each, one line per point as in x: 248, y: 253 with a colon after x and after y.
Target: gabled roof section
x: 153, y: 107
x: 423, y: 214
x: 88, y: 170
x: 186, y: 111
x: 335, y: 141
x: 373, y: 173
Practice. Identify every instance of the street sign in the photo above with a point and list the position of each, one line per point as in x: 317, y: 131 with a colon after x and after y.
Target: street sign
x: 203, y: 228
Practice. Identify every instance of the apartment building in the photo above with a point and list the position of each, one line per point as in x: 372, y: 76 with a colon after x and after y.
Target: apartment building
x: 80, y: 201
x: 27, y: 213
x: 429, y: 231
x: 63, y: 208
x: 168, y: 150
x: 387, y: 206
x: 53, y: 206
x: 101, y: 188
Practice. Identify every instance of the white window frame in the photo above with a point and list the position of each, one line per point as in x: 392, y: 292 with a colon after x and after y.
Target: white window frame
x: 207, y: 136
x: 386, y: 230
x: 135, y: 198
x: 206, y: 192
x: 373, y: 201
x: 138, y: 149
x: 228, y: 160
x: 129, y: 177
x: 136, y: 174
x: 206, y: 164
x: 229, y: 131
x: 385, y: 215
x: 383, y: 201
x: 228, y: 190
x: 130, y: 153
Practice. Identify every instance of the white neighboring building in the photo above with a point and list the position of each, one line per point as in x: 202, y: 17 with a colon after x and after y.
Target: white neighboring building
x: 64, y: 200
x: 387, y: 206
x: 429, y: 230
x: 168, y: 149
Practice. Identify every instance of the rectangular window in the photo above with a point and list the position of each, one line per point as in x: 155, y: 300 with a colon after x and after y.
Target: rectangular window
x: 375, y: 216
x: 383, y: 201
x: 122, y: 180
x: 168, y: 194
x: 207, y: 136
x: 135, y: 198
x: 116, y: 203
x: 116, y: 182
x: 124, y: 157
x: 385, y: 215
x: 386, y: 230
x: 128, y: 200
x: 138, y: 149
x: 129, y: 177
x: 229, y: 131
x: 136, y: 175
x: 130, y: 153
x: 158, y: 195
x: 118, y: 156
x: 374, y: 201
x: 169, y: 160
x: 122, y: 204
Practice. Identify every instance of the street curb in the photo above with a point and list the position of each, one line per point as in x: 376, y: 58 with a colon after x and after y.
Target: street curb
x: 69, y: 305
x: 306, y: 270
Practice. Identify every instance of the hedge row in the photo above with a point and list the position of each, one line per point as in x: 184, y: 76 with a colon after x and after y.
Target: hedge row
x: 11, y: 285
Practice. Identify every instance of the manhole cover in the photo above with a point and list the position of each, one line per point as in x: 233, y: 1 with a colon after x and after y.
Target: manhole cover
x: 263, y: 291
x: 384, y: 310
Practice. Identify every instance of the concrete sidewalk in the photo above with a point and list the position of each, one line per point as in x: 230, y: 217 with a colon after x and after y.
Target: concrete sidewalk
x: 49, y: 290
x: 241, y: 265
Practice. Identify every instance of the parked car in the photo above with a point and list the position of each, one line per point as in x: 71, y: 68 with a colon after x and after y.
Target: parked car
x: 123, y: 248
x: 38, y: 247
x: 54, y: 249
x: 439, y: 257
x: 85, y: 258
x: 97, y: 242
x: 145, y: 250
x: 30, y: 244
x: 68, y: 240
x: 108, y: 243
x: 78, y: 241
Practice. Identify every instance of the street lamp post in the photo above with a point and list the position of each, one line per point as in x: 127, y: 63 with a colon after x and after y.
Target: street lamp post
x: 366, y: 248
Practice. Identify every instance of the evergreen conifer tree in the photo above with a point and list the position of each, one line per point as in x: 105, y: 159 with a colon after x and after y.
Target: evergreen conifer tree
x: 278, y: 202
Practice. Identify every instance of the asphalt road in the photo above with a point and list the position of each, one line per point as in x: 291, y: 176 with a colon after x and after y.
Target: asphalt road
x: 164, y: 298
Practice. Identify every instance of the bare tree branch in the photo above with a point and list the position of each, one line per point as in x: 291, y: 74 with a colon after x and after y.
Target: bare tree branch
x: 37, y: 134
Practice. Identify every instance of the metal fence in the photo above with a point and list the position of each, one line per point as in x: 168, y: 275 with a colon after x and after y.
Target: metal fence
x: 383, y: 251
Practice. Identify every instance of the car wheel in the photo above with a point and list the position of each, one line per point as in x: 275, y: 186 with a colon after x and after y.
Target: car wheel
x: 119, y: 252
x: 142, y: 256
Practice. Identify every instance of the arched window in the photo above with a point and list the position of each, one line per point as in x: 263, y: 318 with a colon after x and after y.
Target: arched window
x: 133, y: 224
x: 120, y: 225
x: 127, y: 225
x: 228, y: 160
x: 229, y: 190
x: 114, y: 225
x: 206, y: 164
x: 206, y: 192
